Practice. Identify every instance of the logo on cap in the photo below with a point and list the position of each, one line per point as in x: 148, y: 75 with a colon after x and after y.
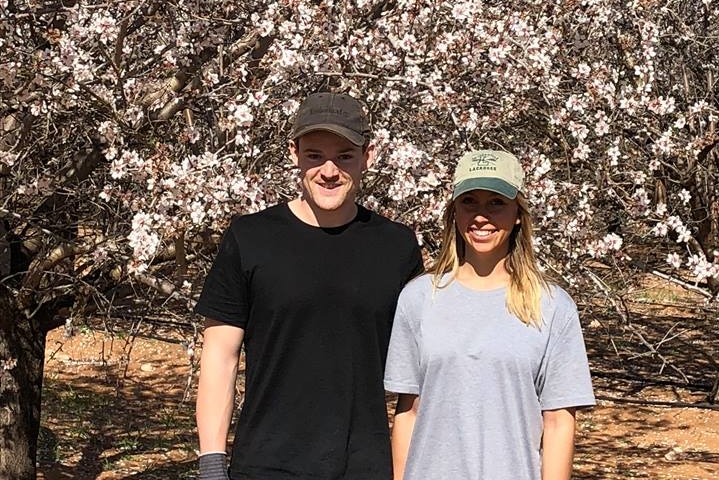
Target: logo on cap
x: 483, y: 161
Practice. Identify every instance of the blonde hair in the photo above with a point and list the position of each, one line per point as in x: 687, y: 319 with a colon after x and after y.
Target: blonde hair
x: 526, y: 281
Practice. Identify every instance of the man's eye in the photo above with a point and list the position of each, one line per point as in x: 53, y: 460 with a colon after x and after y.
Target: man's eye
x: 345, y: 158
x: 314, y: 157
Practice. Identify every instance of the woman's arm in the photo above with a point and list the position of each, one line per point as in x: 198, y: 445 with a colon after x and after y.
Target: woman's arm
x: 404, y: 418
x: 558, y: 444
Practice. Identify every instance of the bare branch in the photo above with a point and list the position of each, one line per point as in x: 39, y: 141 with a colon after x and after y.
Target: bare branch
x: 652, y: 350
x: 39, y: 266
x: 682, y: 283
x: 163, y: 286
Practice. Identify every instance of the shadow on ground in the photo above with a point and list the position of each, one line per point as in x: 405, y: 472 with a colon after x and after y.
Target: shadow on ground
x: 105, y: 419
x: 112, y: 421
x: 654, y: 371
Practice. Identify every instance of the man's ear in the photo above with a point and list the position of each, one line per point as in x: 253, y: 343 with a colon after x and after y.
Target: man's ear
x: 294, y: 153
x: 369, y: 156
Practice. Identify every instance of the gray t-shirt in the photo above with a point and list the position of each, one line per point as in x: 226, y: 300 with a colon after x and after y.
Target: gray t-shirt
x: 483, y: 379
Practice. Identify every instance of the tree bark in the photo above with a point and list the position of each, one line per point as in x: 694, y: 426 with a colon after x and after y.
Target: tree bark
x: 22, y: 351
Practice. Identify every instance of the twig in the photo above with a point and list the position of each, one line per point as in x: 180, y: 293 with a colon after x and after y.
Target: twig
x: 659, y: 403
x: 682, y: 283
x: 693, y: 306
x: 628, y: 377
x: 17, y: 216
x: 667, y: 338
x: 163, y: 286
x: 652, y: 350
x: 194, y: 364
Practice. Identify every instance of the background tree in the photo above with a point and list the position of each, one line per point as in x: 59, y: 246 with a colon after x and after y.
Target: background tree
x: 132, y: 131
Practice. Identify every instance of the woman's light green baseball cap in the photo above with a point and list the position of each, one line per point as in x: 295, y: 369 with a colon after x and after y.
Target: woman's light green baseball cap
x: 492, y: 170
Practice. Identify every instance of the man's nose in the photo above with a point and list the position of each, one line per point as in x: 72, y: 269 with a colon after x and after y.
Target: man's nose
x: 329, y: 169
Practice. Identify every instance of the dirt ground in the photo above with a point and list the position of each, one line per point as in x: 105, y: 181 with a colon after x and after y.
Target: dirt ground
x: 122, y: 408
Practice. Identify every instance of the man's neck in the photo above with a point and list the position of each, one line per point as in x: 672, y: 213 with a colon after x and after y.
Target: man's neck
x: 318, y: 217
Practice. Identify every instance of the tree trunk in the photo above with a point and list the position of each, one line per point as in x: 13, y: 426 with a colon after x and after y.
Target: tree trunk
x: 22, y: 351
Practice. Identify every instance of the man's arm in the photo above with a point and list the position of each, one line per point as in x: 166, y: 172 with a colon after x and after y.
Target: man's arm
x: 216, y: 392
x: 558, y: 444
x: 404, y: 418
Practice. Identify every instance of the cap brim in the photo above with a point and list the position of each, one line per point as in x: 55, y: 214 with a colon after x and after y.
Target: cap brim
x: 352, y: 136
x: 495, y: 185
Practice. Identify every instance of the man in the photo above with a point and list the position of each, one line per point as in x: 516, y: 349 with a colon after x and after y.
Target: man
x: 310, y: 288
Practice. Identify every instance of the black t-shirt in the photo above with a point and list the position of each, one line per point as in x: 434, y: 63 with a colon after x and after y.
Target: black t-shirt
x: 317, y: 306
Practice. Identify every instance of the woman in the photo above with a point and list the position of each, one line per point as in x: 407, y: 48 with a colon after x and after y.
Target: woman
x: 487, y: 355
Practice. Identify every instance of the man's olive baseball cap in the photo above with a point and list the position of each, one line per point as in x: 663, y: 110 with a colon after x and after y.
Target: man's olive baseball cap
x: 332, y: 112
x: 492, y: 170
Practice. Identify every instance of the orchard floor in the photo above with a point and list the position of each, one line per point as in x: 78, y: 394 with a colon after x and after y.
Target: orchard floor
x: 108, y: 418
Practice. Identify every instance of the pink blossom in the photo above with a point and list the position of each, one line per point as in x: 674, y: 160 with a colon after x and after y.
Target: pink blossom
x: 241, y: 114
x: 674, y: 260
x: 660, y: 229
x: 8, y: 158
x: 641, y: 201
x: 612, y: 241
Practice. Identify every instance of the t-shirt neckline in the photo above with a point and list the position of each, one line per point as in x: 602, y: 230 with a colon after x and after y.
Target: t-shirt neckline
x: 492, y: 292
x: 333, y: 230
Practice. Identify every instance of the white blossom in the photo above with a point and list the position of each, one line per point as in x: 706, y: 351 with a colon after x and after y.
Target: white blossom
x: 684, y: 196
x: 674, y: 260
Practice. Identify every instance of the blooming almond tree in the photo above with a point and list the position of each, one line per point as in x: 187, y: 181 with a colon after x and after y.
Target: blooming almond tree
x: 132, y: 131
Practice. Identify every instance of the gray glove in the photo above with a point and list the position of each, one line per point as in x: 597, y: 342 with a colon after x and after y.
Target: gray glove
x: 213, y: 466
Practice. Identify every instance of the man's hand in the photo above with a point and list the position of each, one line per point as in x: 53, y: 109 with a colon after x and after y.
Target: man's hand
x: 213, y: 466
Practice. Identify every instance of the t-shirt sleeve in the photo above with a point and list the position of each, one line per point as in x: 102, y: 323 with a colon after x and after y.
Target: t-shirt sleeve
x: 224, y: 295
x: 402, y: 373
x: 564, y: 380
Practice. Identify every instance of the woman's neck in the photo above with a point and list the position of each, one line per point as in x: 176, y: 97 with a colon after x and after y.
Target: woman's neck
x: 482, y: 275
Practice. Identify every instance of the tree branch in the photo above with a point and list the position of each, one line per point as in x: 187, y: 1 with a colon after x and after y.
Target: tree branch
x: 652, y: 350
x: 41, y: 265
x: 165, y: 287
x: 659, y: 403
